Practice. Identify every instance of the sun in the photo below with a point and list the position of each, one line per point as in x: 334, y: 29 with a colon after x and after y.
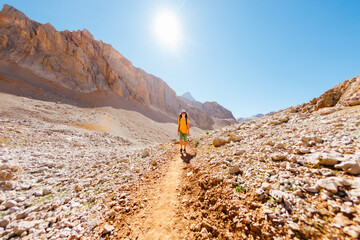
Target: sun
x: 167, y: 28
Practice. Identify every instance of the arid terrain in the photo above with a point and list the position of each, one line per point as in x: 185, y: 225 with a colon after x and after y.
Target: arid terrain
x: 290, y: 174
x: 88, y: 150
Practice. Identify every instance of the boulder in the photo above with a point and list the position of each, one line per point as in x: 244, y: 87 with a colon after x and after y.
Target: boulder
x: 217, y: 142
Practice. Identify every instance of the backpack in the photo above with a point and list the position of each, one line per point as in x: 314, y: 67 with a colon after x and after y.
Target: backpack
x: 186, y: 121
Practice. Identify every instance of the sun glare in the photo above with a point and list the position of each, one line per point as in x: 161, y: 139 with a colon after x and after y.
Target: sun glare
x: 167, y: 29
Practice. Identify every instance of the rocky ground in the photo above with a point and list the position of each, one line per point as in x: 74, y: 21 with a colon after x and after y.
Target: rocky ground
x: 285, y: 175
x: 58, y: 164
x: 54, y: 180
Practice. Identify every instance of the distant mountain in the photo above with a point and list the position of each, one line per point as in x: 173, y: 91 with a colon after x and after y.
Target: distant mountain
x: 188, y: 96
x: 249, y: 119
x: 77, y: 62
x: 213, y: 109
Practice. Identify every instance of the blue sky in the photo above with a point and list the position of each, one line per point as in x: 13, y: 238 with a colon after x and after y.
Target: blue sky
x: 251, y: 56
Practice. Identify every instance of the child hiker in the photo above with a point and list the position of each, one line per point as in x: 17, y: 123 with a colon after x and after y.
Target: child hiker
x: 183, y: 130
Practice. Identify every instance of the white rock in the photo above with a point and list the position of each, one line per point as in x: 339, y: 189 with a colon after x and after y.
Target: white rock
x: 339, y: 181
x: 294, y: 226
x: 277, y: 195
x: 328, y: 184
x: 350, y: 167
x: 107, y: 229
x: 260, y: 193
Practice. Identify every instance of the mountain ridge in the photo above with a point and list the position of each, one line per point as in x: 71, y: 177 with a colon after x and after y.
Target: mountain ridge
x: 75, y: 60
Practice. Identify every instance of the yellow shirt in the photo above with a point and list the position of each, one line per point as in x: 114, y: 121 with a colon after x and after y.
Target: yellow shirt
x: 183, y: 127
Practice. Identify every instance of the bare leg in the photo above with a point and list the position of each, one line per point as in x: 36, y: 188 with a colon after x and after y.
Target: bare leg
x: 185, y: 142
x: 181, y: 143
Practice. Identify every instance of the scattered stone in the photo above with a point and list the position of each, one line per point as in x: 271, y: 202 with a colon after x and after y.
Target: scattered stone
x: 234, y: 170
x: 145, y: 153
x: 266, y: 186
x: 342, y: 220
x: 239, y: 152
x: 350, y: 167
x: 24, y: 226
x: 328, y: 184
x: 107, y: 229
x: 78, y: 188
x: 4, y: 223
x: 278, y: 157
x: 10, y: 203
x: 2, y: 197
x: 6, y: 174
x: 153, y: 163
x: 234, y: 138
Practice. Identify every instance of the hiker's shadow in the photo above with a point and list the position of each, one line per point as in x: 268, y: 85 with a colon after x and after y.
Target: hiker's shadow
x: 186, y: 157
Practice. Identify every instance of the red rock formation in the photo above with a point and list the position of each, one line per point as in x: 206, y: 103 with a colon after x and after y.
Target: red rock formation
x: 76, y: 61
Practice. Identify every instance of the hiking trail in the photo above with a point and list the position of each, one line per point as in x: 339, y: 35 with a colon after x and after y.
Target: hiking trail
x: 159, y: 215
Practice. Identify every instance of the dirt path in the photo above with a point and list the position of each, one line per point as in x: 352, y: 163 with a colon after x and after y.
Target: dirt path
x: 158, y: 214
x: 159, y: 220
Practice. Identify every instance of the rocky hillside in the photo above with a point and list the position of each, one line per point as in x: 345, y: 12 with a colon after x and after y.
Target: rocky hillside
x: 291, y: 174
x: 346, y: 93
x: 76, y: 61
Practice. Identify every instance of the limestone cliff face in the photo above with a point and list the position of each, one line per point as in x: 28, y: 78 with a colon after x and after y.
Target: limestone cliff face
x: 75, y: 60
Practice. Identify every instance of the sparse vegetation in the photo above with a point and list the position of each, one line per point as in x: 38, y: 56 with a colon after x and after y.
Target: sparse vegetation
x: 207, y: 132
x: 240, y: 189
x: 197, y: 142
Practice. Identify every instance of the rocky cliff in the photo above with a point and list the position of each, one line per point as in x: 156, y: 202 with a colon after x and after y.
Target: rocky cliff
x: 344, y: 94
x: 76, y: 61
